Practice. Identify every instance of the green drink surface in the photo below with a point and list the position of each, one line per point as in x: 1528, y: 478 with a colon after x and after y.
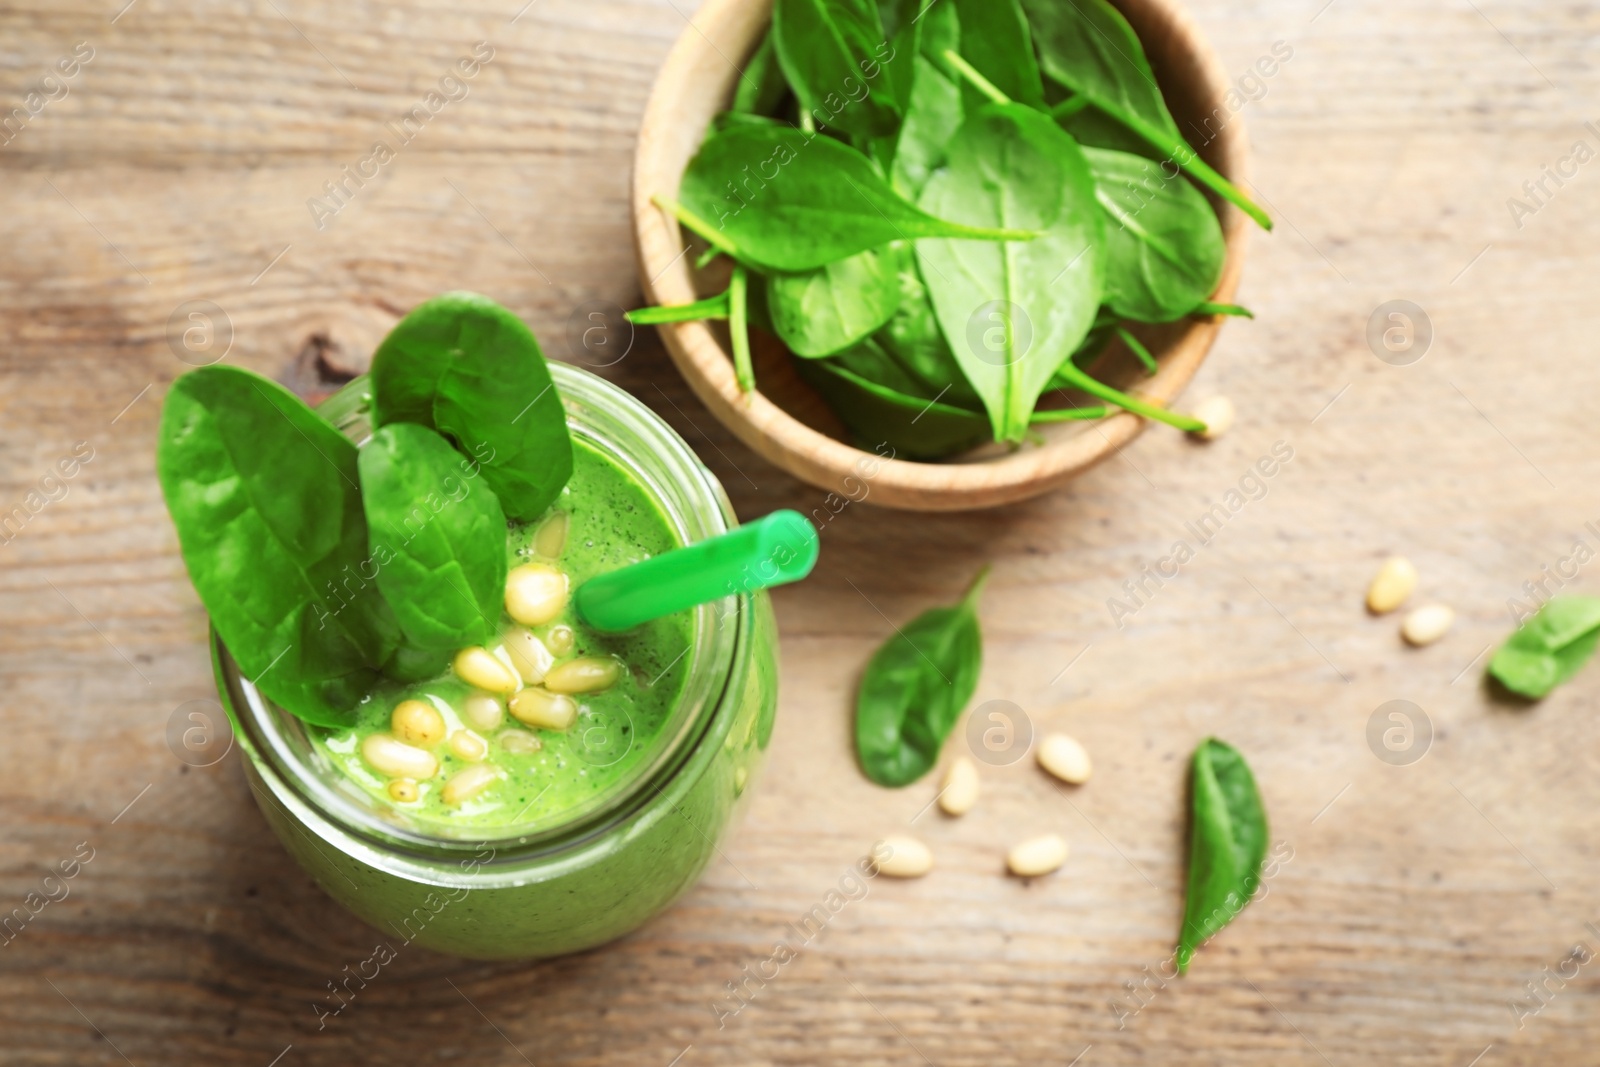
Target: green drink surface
x: 612, y: 521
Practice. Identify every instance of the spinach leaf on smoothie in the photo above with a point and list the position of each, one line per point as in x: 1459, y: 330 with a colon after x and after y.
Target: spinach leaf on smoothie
x: 465, y: 366
x: 264, y: 496
x: 1227, y: 842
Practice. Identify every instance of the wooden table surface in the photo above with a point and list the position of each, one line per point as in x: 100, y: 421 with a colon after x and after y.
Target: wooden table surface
x: 175, y: 166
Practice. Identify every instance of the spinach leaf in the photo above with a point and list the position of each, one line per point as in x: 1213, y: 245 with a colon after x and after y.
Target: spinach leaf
x: 836, y: 305
x: 465, y: 366
x: 1164, y: 245
x: 1088, y: 46
x: 881, y: 405
x: 437, y: 535
x: 915, y: 687
x: 712, y: 307
x: 913, y: 339
x: 1205, y: 307
x: 1549, y: 648
x: 1014, y: 311
x: 799, y: 201
x: 264, y: 496
x: 833, y: 53
x: 739, y: 327
x: 996, y: 41
x: 1227, y: 843
x: 761, y: 86
x: 933, y: 101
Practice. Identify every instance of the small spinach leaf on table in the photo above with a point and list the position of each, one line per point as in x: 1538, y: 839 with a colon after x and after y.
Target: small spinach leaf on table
x: 799, y: 201
x: 465, y: 366
x: 1549, y: 648
x: 1164, y: 245
x: 995, y: 39
x: 825, y: 310
x: 1088, y: 46
x: 915, y: 687
x: 833, y: 53
x: 1227, y: 842
x: 1029, y: 304
x: 438, y: 535
x: 264, y: 496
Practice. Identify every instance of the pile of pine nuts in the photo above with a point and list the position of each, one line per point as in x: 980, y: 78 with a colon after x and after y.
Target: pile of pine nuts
x: 904, y: 856
x: 524, y: 674
x: 1391, y: 586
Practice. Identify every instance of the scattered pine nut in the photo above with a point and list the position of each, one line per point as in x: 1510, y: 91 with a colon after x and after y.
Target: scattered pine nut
x: 1063, y: 757
x: 551, y: 537
x: 469, y: 782
x: 561, y: 640
x: 403, y: 790
x: 466, y: 745
x: 960, y: 790
x: 478, y: 667
x: 528, y: 654
x: 483, y: 711
x: 902, y: 856
x: 1217, y: 413
x: 1391, y: 585
x: 519, y: 742
x: 587, y: 675
x: 535, y: 593
x: 540, y: 707
x: 1037, y: 856
x: 1425, y: 625
x: 417, y: 722
x: 395, y: 758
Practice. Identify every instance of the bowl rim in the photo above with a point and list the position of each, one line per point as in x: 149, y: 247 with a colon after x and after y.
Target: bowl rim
x: 724, y: 28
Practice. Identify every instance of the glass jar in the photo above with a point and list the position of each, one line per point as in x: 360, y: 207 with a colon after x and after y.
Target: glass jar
x: 543, y: 889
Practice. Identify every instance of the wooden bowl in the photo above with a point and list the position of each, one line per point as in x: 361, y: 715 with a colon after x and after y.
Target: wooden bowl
x: 789, y: 424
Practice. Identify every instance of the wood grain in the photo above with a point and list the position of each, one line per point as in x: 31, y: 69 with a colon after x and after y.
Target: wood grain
x: 1420, y: 899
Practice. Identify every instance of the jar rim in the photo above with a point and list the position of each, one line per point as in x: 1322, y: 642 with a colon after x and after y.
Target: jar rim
x: 689, y: 497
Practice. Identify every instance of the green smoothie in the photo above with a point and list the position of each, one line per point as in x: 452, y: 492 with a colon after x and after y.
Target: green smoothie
x: 536, y: 774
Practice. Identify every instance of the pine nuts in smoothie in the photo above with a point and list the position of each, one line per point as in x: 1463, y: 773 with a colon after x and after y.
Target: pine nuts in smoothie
x: 960, y: 789
x: 416, y: 722
x: 906, y: 857
x: 1037, y: 856
x: 561, y: 640
x: 395, y: 758
x: 540, y: 707
x: 483, y: 711
x: 1063, y: 757
x: 468, y: 783
x: 519, y: 742
x: 551, y: 537
x: 587, y: 675
x: 466, y: 745
x: 402, y: 790
x: 1427, y: 624
x: 535, y: 593
x: 528, y: 654
x: 478, y: 667
x: 1391, y: 585
x: 1217, y: 413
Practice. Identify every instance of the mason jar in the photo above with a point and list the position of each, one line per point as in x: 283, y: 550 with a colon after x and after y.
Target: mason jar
x: 581, y: 877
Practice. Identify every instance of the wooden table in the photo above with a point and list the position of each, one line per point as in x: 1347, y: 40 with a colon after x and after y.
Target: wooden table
x: 1420, y: 898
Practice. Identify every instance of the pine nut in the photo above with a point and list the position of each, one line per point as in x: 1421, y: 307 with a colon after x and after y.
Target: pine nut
x: 902, y: 856
x: 1217, y: 413
x: 478, y: 667
x: 540, y: 707
x: 588, y: 675
x: 528, y: 655
x: 483, y: 711
x: 1037, y: 856
x: 519, y: 742
x: 403, y: 790
x: 468, y: 783
x: 561, y: 640
x: 416, y: 722
x: 551, y: 537
x: 535, y: 593
x: 960, y: 790
x: 1427, y: 624
x: 1391, y: 585
x: 466, y: 745
x: 397, y: 759
x: 1065, y: 758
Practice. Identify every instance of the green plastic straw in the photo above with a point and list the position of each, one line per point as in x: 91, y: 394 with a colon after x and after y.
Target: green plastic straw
x: 780, y: 548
